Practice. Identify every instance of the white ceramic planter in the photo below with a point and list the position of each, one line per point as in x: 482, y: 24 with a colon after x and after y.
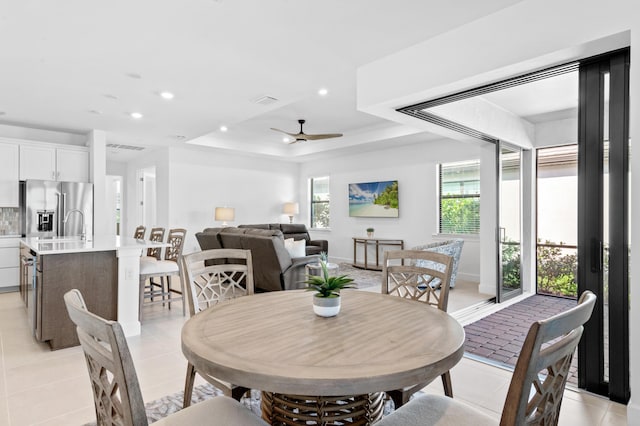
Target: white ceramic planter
x: 326, y: 306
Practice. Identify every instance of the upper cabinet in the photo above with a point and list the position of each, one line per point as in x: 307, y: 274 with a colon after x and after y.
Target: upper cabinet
x: 9, y: 186
x: 51, y: 163
x: 72, y: 165
x: 37, y: 162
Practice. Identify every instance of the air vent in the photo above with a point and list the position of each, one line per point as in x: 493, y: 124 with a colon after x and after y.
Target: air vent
x: 265, y: 100
x: 131, y: 147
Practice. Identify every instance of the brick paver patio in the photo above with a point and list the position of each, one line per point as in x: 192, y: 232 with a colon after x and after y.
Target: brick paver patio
x: 499, y: 336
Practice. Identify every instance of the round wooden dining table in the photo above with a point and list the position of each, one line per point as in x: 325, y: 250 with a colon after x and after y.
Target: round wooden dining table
x: 311, y: 368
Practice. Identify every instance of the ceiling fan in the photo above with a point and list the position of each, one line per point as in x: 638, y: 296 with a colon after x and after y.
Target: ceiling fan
x: 302, y: 136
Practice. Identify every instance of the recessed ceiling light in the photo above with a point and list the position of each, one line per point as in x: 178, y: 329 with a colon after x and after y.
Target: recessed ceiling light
x: 134, y: 75
x: 180, y: 137
x: 95, y: 111
x: 167, y: 95
x: 136, y: 115
x: 109, y: 96
x: 223, y: 128
x: 323, y: 92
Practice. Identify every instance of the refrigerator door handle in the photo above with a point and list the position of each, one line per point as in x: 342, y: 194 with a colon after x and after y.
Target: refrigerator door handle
x: 62, y: 207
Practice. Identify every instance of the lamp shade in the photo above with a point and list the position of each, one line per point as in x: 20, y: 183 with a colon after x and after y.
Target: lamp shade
x: 290, y: 208
x: 225, y: 214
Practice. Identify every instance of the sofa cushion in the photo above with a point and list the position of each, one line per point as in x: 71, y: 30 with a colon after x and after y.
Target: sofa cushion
x: 295, y: 248
x: 258, y: 226
x: 209, y: 240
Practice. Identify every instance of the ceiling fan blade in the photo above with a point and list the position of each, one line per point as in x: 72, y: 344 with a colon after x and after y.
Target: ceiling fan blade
x: 293, y: 135
x: 325, y: 136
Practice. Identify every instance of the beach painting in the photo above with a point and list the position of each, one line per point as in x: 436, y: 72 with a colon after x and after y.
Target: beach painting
x: 373, y: 199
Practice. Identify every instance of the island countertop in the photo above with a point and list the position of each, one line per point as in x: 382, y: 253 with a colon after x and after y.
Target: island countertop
x: 44, y: 246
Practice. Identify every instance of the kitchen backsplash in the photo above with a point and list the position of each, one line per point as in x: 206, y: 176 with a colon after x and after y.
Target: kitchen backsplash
x: 9, y: 221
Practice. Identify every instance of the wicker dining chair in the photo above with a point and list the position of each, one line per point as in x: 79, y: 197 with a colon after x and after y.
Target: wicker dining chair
x: 138, y: 234
x: 114, y: 382
x: 422, y: 276
x: 213, y: 276
x: 537, y: 386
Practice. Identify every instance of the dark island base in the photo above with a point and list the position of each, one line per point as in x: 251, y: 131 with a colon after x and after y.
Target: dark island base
x: 95, y: 274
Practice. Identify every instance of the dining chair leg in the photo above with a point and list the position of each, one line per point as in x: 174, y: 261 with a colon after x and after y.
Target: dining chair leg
x: 397, y: 397
x: 188, y: 385
x: 168, y: 288
x: 238, y: 392
x: 446, y: 384
x: 184, y: 297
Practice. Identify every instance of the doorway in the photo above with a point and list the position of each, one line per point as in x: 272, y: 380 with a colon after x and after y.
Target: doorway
x: 146, y: 196
x: 509, y: 255
x: 114, y: 204
x: 602, y: 121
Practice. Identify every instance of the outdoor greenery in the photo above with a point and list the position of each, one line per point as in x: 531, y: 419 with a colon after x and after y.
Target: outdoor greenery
x: 327, y: 286
x: 511, y: 265
x: 459, y: 215
x: 388, y: 197
x: 319, y: 212
x: 557, y: 271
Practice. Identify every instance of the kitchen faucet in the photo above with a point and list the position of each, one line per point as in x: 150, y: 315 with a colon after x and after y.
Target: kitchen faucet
x: 66, y: 219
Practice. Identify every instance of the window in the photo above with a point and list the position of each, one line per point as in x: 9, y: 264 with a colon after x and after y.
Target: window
x: 459, y: 197
x: 320, y: 202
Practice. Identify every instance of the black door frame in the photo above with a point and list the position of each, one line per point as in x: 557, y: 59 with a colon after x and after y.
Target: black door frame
x: 591, y: 356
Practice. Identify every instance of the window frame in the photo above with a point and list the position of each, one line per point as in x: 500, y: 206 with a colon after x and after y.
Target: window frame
x: 313, y: 202
x: 441, y: 197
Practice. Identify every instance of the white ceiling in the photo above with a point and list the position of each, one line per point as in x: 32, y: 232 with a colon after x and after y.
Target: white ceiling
x: 76, y: 65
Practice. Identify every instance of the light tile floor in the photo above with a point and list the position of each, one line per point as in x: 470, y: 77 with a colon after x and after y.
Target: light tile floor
x: 40, y: 387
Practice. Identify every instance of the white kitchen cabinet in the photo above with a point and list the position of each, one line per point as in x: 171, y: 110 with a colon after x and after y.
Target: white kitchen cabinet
x: 72, y: 165
x: 51, y: 163
x: 9, y: 175
x: 37, y: 162
x: 9, y: 264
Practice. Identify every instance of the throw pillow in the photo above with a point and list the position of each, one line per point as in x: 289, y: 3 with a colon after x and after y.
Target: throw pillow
x: 295, y: 248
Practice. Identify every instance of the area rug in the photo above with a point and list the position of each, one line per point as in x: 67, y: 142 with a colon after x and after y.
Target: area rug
x: 499, y: 337
x: 170, y: 404
x: 362, y: 278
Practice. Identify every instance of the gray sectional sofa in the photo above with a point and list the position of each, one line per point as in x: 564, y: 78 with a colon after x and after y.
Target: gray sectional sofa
x: 273, y: 268
x: 297, y: 231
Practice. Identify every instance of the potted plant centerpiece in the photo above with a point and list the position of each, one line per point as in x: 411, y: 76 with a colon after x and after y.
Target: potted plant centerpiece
x: 326, y: 301
x: 370, y: 232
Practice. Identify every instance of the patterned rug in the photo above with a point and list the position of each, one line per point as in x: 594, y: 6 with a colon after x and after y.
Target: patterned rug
x: 363, y: 278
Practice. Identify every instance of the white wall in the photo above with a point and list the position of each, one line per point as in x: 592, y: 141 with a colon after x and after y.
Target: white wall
x: 414, y: 167
x: 201, y: 180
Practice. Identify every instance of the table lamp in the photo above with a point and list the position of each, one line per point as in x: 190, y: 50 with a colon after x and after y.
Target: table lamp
x: 225, y: 214
x: 290, y: 209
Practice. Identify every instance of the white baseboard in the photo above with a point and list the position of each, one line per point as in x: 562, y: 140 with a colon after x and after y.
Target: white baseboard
x: 475, y: 278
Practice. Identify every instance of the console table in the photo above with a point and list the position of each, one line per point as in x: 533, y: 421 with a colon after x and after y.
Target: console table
x: 378, y: 242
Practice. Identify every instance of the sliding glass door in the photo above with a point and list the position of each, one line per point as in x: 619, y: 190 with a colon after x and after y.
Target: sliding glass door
x: 509, y: 168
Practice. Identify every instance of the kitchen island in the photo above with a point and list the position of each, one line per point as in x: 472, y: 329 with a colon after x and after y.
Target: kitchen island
x: 105, y: 269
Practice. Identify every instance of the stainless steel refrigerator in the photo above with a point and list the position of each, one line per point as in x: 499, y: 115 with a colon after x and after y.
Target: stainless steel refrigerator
x: 56, y: 209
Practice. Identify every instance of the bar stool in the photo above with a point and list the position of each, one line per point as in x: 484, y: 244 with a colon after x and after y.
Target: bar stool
x: 139, y: 232
x: 154, y: 253
x: 167, y: 268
